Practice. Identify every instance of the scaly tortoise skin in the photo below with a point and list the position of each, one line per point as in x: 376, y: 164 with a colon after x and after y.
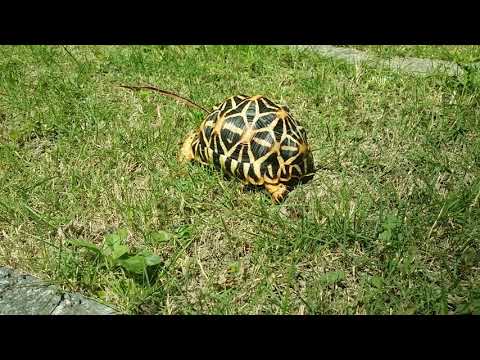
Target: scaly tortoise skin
x: 254, y: 140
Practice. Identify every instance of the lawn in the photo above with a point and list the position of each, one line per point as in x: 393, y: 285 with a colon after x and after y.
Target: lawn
x: 462, y: 55
x: 92, y: 197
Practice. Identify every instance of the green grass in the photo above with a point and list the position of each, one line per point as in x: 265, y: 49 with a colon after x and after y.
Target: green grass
x: 459, y: 54
x: 389, y: 225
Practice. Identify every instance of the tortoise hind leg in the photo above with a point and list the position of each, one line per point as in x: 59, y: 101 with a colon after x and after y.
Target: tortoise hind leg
x: 278, y: 192
x: 186, y: 151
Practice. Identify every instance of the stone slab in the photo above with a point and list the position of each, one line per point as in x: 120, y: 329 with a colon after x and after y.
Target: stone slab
x: 22, y: 294
x: 404, y: 64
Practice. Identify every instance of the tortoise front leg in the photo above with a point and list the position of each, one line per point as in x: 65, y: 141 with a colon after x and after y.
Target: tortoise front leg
x: 278, y: 192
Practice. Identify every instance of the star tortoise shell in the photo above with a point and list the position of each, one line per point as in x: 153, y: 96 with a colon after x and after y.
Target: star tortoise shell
x: 254, y: 140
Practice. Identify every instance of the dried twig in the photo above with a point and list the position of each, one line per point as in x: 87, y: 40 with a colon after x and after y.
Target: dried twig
x: 71, y: 55
x: 166, y: 93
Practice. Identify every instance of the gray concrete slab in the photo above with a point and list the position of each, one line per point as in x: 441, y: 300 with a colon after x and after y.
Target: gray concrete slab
x: 22, y: 294
x: 404, y: 64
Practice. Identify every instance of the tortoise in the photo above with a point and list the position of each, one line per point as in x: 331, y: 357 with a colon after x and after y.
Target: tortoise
x: 253, y: 139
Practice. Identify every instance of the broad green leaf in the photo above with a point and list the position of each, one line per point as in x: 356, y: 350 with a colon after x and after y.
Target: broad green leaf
x: 161, y: 236
x: 355, y: 134
x: 122, y: 233
x: 86, y: 244
x: 111, y: 239
x: 411, y: 310
x: 119, y: 250
x: 118, y: 236
x: 135, y: 264
x: 391, y: 222
x: 184, y: 231
x: 332, y: 277
x: 102, y: 294
x: 152, y: 260
x: 385, y: 236
x: 376, y: 281
x: 234, y: 267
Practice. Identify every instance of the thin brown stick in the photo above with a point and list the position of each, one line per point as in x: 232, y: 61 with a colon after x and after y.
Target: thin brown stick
x: 166, y: 93
x: 71, y: 55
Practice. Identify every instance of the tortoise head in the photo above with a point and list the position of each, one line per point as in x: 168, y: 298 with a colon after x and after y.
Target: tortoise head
x: 186, y: 153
